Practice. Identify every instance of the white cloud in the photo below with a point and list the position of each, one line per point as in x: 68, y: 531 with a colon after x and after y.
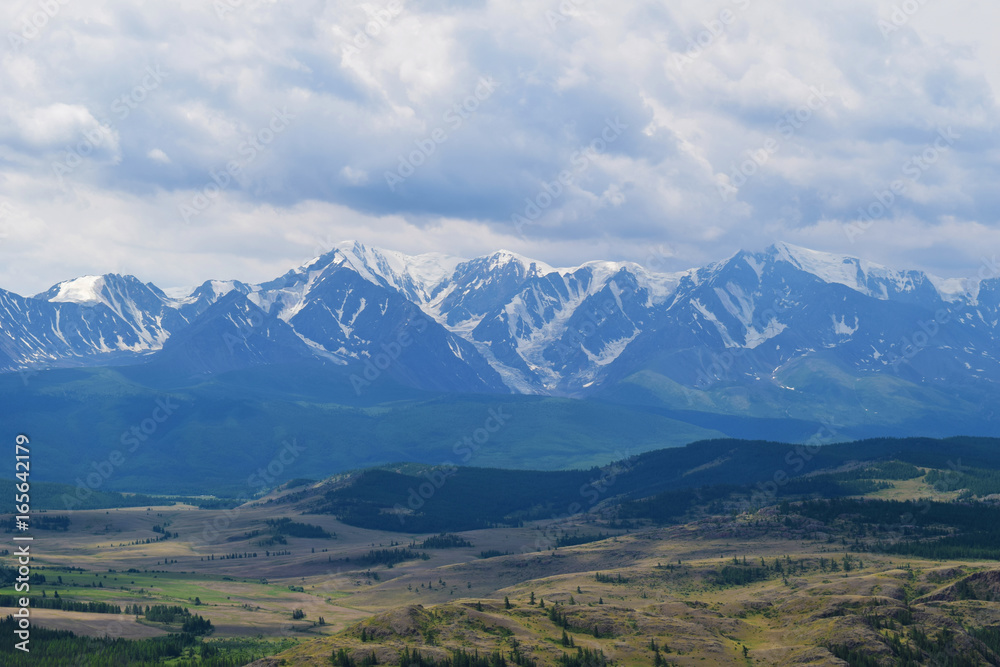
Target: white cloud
x: 368, y: 83
x: 157, y: 155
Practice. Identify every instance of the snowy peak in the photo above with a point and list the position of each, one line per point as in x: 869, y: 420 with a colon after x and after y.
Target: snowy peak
x: 83, y: 290
x: 213, y: 290
x: 432, y: 278
x: 659, y: 286
x: 503, y: 321
x: 193, y: 303
x: 144, y: 308
x: 502, y: 259
x: 111, y: 289
x: 830, y: 268
x: 481, y: 285
x: 417, y: 276
x: 869, y: 278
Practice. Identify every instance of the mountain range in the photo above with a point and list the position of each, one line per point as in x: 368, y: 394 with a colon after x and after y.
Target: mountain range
x: 787, y: 332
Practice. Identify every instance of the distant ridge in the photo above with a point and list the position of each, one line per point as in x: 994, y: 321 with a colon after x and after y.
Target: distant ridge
x: 785, y: 332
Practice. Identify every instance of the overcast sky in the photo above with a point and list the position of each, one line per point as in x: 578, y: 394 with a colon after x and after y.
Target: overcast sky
x: 671, y: 134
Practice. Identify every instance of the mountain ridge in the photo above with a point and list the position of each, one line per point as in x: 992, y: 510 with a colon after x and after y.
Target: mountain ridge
x: 743, y: 327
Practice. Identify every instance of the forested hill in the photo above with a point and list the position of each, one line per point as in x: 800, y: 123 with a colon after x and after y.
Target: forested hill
x: 422, y: 499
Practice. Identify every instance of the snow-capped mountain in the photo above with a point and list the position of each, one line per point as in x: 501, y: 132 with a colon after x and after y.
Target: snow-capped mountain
x: 757, y: 313
x: 506, y: 323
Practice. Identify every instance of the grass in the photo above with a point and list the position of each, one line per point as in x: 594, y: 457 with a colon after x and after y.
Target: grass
x: 670, y: 589
x: 913, y: 489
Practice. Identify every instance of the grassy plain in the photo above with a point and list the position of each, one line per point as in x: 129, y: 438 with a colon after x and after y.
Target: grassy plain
x: 736, y: 587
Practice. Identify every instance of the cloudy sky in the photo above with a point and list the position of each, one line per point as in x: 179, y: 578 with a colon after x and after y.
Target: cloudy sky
x: 236, y: 138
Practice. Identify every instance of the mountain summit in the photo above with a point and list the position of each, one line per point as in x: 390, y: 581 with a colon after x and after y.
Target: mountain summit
x: 775, y: 332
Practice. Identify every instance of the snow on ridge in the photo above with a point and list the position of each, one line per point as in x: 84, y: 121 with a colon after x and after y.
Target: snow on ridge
x: 503, y: 257
x: 536, y: 315
x: 849, y: 271
x: 83, y: 290
x: 660, y: 285
x: 293, y: 299
x: 431, y: 268
x: 425, y: 276
x: 179, y: 295
x: 414, y: 275
x: 956, y: 289
x: 222, y: 287
x: 831, y: 268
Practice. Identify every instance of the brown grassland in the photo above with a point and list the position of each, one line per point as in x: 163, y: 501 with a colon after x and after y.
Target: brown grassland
x: 642, y: 586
